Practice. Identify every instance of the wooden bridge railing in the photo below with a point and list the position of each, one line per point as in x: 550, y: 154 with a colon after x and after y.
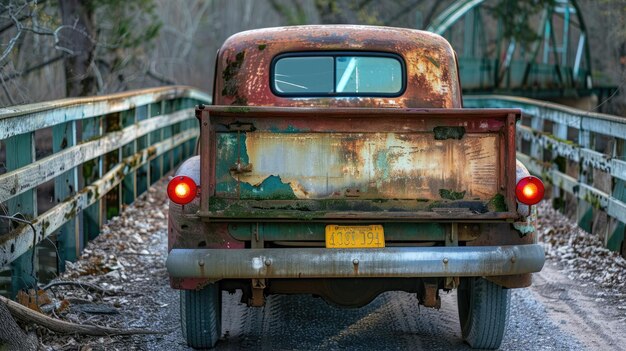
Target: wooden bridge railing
x: 105, y: 151
x: 96, y: 154
x: 581, y: 154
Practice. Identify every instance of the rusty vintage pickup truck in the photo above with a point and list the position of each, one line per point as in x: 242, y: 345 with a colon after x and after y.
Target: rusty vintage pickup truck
x: 338, y: 161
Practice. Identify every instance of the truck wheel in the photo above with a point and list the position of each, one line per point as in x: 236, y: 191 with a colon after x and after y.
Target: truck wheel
x: 483, y: 312
x: 200, y: 316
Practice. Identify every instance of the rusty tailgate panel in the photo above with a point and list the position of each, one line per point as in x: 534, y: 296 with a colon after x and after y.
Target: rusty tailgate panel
x: 360, y: 163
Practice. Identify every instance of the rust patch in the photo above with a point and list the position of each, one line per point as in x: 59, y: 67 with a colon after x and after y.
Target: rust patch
x: 376, y: 165
x: 185, y: 232
x: 431, y: 68
x: 229, y: 76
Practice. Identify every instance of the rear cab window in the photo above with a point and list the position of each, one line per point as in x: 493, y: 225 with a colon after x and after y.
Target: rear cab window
x: 337, y: 74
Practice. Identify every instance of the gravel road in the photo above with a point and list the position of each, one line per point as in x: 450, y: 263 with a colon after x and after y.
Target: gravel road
x: 557, y: 313
x: 395, y: 322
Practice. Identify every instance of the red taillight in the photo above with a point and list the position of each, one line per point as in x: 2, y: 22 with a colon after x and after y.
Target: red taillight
x: 182, y: 190
x: 529, y: 190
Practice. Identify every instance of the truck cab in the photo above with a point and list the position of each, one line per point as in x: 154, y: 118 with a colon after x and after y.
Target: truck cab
x: 338, y: 161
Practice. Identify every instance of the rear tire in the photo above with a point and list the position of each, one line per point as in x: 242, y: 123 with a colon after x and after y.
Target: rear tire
x: 483, y: 312
x: 200, y: 316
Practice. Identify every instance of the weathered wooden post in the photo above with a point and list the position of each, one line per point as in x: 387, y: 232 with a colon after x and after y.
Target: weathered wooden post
x: 617, y: 229
x: 129, y: 184
x: 20, y: 151
x: 143, y: 173
x: 92, y: 170
x: 584, y: 211
x: 112, y: 200
x: 156, y: 165
x: 69, y: 239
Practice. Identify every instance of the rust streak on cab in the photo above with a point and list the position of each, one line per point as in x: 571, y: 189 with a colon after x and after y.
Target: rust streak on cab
x: 243, y: 66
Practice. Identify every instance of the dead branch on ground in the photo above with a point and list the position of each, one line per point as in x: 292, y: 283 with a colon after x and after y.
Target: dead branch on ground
x: 26, y: 315
x: 83, y: 285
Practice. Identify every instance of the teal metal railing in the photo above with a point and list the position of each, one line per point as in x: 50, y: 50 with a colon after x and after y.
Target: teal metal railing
x: 581, y: 154
x: 105, y: 151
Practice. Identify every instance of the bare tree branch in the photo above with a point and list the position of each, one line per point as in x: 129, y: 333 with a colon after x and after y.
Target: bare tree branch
x: 6, y: 91
x: 152, y: 72
x: 22, y: 18
x: 13, y: 40
x: 98, y: 75
x: 33, y: 68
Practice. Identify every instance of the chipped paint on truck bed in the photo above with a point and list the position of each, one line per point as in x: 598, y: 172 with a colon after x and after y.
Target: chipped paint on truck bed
x: 363, y: 165
x: 278, y: 162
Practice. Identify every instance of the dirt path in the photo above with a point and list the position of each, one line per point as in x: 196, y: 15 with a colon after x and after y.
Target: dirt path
x: 128, y: 258
x: 598, y: 318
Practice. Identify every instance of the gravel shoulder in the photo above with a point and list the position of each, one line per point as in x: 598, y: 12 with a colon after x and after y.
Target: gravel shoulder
x: 595, y: 316
x: 566, y: 309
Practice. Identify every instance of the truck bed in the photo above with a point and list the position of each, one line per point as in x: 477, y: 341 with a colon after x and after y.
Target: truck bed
x: 276, y: 163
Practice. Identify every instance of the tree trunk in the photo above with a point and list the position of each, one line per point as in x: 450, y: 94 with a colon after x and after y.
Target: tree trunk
x: 11, y: 336
x: 77, y: 40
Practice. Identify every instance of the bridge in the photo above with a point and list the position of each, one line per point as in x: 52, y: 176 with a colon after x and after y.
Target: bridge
x: 549, y: 60
x: 103, y: 152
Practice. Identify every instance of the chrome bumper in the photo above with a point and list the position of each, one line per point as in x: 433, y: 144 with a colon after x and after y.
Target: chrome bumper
x: 393, y: 262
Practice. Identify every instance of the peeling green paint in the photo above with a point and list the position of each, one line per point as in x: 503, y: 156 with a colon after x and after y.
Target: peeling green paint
x: 451, y: 195
x: 229, y: 74
x: 292, y: 129
x: 433, y: 61
x: 528, y: 225
x: 262, y: 47
x: 524, y: 228
x: 497, y: 204
x: 229, y: 146
x: 288, y: 129
x: 238, y: 109
x: 310, y: 209
x: 272, y: 188
x: 382, y: 164
x: 443, y: 133
x: 436, y: 204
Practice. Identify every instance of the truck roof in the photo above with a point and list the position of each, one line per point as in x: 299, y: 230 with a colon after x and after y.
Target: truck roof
x: 244, y: 60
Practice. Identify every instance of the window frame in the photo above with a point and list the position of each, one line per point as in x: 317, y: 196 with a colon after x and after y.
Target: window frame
x: 334, y: 55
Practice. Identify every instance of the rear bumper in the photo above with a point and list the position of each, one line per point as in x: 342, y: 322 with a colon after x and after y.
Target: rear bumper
x: 392, y: 262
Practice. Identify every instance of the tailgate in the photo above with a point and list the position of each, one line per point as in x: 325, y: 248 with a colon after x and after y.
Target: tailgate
x: 357, y: 163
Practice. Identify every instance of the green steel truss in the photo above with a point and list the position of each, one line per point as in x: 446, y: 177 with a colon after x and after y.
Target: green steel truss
x: 556, y: 64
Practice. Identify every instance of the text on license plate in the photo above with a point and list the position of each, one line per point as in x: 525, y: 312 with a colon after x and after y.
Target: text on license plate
x: 354, y: 236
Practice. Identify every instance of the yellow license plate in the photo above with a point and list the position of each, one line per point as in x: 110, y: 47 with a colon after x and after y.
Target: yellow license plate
x: 354, y: 236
